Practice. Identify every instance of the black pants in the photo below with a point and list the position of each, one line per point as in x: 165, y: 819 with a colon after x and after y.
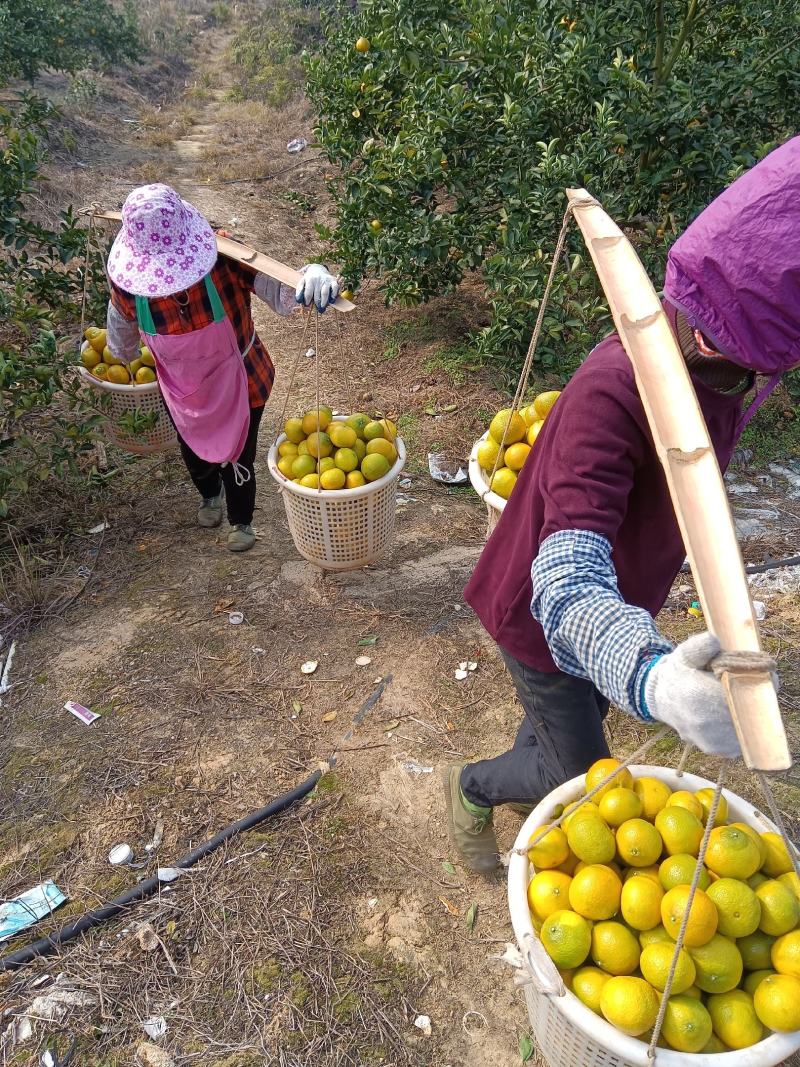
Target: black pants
x: 209, y: 477
x: 560, y: 737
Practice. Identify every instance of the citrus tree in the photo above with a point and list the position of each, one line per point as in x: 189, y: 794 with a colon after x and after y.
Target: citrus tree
x: 456, y: 125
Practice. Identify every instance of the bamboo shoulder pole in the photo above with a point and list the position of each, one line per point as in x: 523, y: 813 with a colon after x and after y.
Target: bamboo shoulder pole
x: 693, y: 476
x: 251, y: 257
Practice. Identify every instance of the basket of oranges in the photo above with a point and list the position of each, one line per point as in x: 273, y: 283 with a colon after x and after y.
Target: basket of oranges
x: 599, y: 901
x: 499, y: 455
x: 338, y: 476
x: 137, y: 416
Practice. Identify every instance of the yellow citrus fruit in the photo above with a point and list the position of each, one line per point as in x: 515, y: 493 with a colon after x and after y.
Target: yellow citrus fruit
x: 783, y: 954
x: 360, y: 449
x: 777, y: 860
x: 619, y: 805
x: 90, y: 358
x: 325, y: 464
x: 655, y: 962
x: 614, y: 948
x: 569, y: 866
x: 319, y: 445
x: 780, y: 910
x: 679, y: 870
x: 550, y: 851
x: 145, y: 375
x: 516, y: 455
x: 566, y: 938
x: 503, y: 482
x: 511, y: 419
x: 359, y: 422
x: 599, y: 770
x: 381, y: 447
x: 630, y: 1004
x: 657, y: 936
x: 287, y: 448
x: 758, y: 878
x: 714, y: 1045
x: 595, y: 892
x: 638, y: 843
x: 754, y: 979
x: 693, y: 991
x: 333, y: 479
x: 681, y: 831
x: 702, y: 924
x: 587, y: 985
x: 354, y: 480
x: 146, y: 356
x: 96, y: 338
x: 734, y: 1019
x: 791, y: 881
x: 687, y: 1025
x: 373, y: 430
x: 548, y: 891
x: 718, y: 964
x: 119, y: 374
x: 643, y: 872
x: 315, y: 420
x: 310, y: 481
x: 641, y: 903
x: 756, y: 837
x: 777, y: 1003
x: 533, y: 432
x: 591, y: 840
x: 581, y: 865
x: 110, y: 359
x: 731, y: 853
x: 653, y: 794
x: 303, y: 465
x: 705, y: 796
x: 345, y: 459
x: 737, y: 906
x: 529, y: 415
x: 363, y: 45
x: 302, y: 448
x: 374, y: 467
x: 293, y: 428
x: 756, y: 950
x: 489, y: 453
x: 133, y: 366
x: 100, y: 371
x: 285, y: 466
x: 684, y: 799
x: 389, y: 429
x: 578, y: 810
x: 342, y: 435
x: 543, y: 404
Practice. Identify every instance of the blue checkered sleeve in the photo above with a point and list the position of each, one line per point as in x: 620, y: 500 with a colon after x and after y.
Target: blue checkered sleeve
x: 592, y: 633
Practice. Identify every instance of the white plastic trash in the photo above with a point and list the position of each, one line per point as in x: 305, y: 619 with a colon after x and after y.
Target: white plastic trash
x: 567, y: 1033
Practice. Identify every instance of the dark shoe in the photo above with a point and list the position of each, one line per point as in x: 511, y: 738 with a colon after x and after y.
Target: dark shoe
x: 241, y: 538
x: 470, y: 826
x: 209, y: 514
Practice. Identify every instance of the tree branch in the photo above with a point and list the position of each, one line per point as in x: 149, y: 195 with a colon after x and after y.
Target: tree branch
x: 677, y: 48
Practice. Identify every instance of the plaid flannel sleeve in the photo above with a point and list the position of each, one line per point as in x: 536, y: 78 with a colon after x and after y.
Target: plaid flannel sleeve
x: 592, y: 633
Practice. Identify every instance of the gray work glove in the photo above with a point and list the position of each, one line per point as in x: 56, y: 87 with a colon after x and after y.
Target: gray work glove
x: 681, y: 691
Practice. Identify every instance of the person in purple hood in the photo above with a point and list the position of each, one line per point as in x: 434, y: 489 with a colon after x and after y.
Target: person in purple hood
x: 588, y: 546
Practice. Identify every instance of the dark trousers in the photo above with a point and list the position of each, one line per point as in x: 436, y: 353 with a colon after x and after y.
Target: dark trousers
x: 209, y: 478
x: 560, y: 737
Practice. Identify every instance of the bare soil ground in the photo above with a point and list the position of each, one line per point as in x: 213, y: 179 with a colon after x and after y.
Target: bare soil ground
x: 321, y: 936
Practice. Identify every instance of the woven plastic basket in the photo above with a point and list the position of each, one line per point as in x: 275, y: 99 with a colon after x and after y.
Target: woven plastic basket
x: 341, y: 529
x: 567, y: 1033
x: 130, y: 400
x: 494, y: 503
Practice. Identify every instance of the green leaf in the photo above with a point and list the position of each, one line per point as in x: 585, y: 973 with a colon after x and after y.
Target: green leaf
x: 471, y: 916
x: 367, y: 642
x: 448, y: 868
x: 525, y: 1048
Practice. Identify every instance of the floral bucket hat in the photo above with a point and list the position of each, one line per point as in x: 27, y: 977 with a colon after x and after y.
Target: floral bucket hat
x: 165, y: 245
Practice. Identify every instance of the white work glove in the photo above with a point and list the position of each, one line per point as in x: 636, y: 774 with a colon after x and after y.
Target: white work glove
x: 681, y: 691
x: 317, y: 286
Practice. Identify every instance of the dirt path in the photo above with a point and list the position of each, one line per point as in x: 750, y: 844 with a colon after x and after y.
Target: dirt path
x: 322, y: 938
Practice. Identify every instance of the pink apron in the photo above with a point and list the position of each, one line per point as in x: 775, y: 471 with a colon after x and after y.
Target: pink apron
x: 203, y: 382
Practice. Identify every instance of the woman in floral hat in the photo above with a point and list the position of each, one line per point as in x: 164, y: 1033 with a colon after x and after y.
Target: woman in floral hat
x: 192, y: 309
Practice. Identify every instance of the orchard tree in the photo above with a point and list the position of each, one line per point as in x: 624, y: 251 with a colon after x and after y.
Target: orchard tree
x: 457, y: 124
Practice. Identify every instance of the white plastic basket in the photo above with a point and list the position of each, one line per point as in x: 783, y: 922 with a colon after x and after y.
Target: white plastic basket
x: 128, y: 400
x: 569, y: 1034
x: 341, y: 529
x: 494, y: 503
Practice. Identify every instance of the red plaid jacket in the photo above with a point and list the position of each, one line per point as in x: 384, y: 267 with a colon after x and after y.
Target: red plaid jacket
x: 191, y: 310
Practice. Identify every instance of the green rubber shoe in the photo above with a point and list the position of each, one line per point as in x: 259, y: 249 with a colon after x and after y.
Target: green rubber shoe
x: 241, y: 538
x: 470, y: 826
x: 209, y: 514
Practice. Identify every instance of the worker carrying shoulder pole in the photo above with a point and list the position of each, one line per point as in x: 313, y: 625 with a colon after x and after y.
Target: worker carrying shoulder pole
x: 588, y: 545
x: 191, y: 308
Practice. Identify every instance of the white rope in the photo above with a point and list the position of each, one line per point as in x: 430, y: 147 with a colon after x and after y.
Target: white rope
x: 682, y: 761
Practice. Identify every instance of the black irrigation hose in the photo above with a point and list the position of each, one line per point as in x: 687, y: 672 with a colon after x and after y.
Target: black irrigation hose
x: 760, y: 568
x: 45, y: 945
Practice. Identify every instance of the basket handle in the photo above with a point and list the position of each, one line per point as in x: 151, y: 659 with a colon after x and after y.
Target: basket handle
x: 539, y: 970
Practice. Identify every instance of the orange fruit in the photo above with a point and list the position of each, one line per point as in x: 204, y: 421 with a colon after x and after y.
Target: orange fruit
x: 354, y: 480
x: 550, y: 851
x: 630, y: 1004
x: 595, y: 892
x: 319, y: 445
x: 680, y: 830
x: 566, y: 938
x: 543, y: 404
x: 655, y: 962
x: 777, y: 860
x: 507, y: 424
x: 145, y: 375
x: 682, y: 798
x: 780, y: 910
x: 614, y: 948
x: 679, y: 870
x: 653, y: 794
x: 381, y: 447
x: 777, y: 1003
x: 293, y: 428
x: 738, y: 907
x: 619, y: 805
x: 147, y: 357
x: 734, y: 1019
x: 333, y: 479
x: 783, y: 954
x: 591, y: 840
x: 90, y: 358
x: 374, y: 467
x: 548, y: 892
x: 718, y: 964
x: 516, y: 455
x: 503, y: 482
x: 732, y: 853
x: 100, y: 371
x: 639, y: 843
x: 640, y: 903
x: 687, y: 1025
x: 702, y: 923
x: 341, y: 435
x: 756, y: 951
x: 345, y: 459
x: 315, y: 420
x: 533, y: 432
x: 599, y: 770
x: 587, y: 985
x: 119, y: 374
x: 706, y: 796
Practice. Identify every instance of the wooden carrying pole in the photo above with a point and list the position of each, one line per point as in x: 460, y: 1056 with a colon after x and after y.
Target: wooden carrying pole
x: 226, y: 246
x: 693, y: 476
